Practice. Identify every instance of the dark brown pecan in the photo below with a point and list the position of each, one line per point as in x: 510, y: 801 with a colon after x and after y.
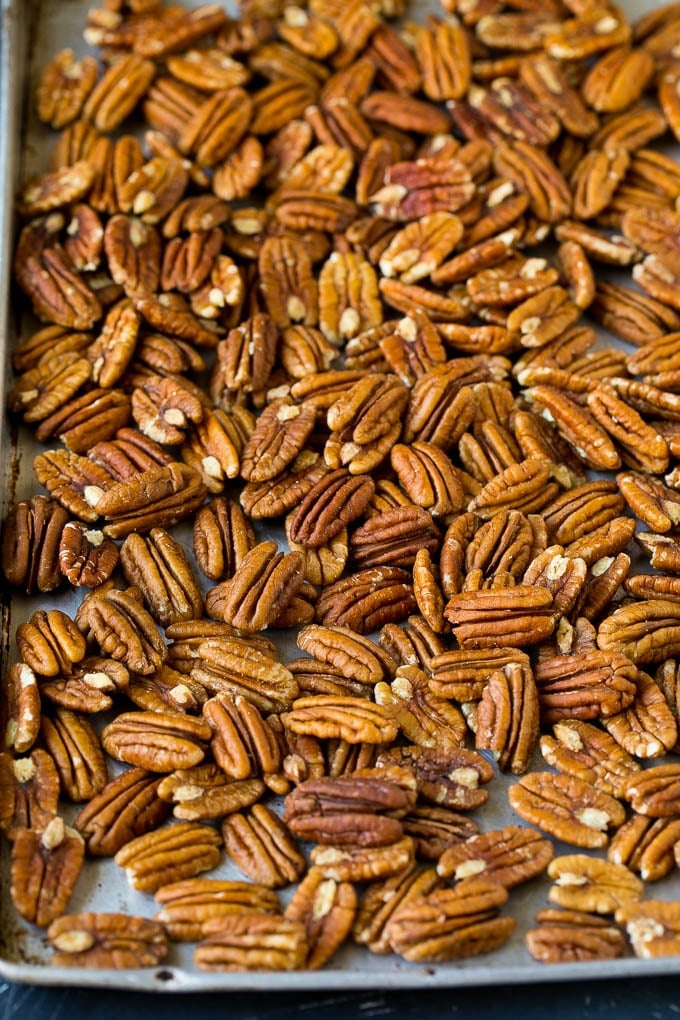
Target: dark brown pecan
x: 452, y: 778
x: 348, y: 811
x: 89, y: 418
x: 334, y: 501
x: 280, y: 434
x: 356, y: 657
x: 85, y: 557
x: 367, y: 600
x: 31, y: 539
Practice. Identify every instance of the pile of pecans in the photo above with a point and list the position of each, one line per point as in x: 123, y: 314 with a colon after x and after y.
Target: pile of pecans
x: 308, y: 292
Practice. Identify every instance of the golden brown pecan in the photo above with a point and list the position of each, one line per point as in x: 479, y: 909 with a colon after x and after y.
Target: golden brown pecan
x: 423, y: 718
x: 113, y: 941
x: 452, y: 778
x: 363, y: 864
x: 187, y: 905
x: 652, y: 927
x: 518, y: 617
x: 30, y: 792
x: 449, y: 924
x: 580, y: 749
x: 463, y: 675
x: 49, y: 643
x: 565, y: 936
x: 252, y: 942
x: 64, y: 86
x: 366, y: 600
x: 262, y: 848
x: 509, y: 856
x: 646, y: 846
x: 205, y: 792
x: 356, y: 656
x: 119, y: 623
x: 222, y: 535
x: 159, y: 567
x: 352, y: 719
x: 644, y: 631
x: 228, y: 663
x: 157, y: 741
x: 128, y: 806
x: 243, y: 744
x: 213, y: 446
x: 44, y: 869
x: 647, y: 728
x: 427, y: 475
x: 77, y: 753
x: 287, y: 281
x: 327, y: 909
x: 118, y: 91
x: 332, y: 502
x: 169, y: 854
x: 263, y: 586
x: 591, y: 884
x: 600, y: 684
x: 383, y: 899
x: 654, y: 792
x: 508, y: 718
x: 158, y: 497
x: 534, y: 173
x: 566, y: 807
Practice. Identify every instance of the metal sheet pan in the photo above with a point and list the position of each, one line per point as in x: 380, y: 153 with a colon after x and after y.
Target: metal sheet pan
x: 32, y: 31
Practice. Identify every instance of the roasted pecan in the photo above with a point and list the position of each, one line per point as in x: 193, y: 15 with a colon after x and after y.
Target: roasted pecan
x: 167, y: 855
x: 157, y: 741
x: 30, y: 792
x: 327, y: 909
x: 252, y: 942
x: 652, y: 927
x: 583, y: 750
x: 262, y: 848
x: 591, y: 884
x: 449, y: 924
x: 566, y: 807
x: 452, y: 778
x: 509, y: 856
x: 44, y: 869
x: 123, y: 628
x: 230, y: 664
x: 646, y: 845
x: 423, y: 718
x: 366, y: 600
x: 30, y: 544
x: 158, y: 566
x: 106, y: 940
x: 508, y: 717
x: 77, y: 753
x: 565, y: 936
x: 187, y: 905
x: 364, y: 864
x: 205, y: 792
x: 126, y: 807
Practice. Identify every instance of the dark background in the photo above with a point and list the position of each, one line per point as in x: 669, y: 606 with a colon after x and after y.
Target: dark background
x: 629, y: 999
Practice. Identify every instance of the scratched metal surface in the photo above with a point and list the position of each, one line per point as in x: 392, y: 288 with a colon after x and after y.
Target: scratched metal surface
x: 33, y: 30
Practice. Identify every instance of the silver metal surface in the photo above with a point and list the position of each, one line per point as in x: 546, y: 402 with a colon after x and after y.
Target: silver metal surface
x: 31, y: 33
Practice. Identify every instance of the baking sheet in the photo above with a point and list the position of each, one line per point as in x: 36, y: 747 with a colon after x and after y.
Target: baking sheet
x: 32, y: 31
